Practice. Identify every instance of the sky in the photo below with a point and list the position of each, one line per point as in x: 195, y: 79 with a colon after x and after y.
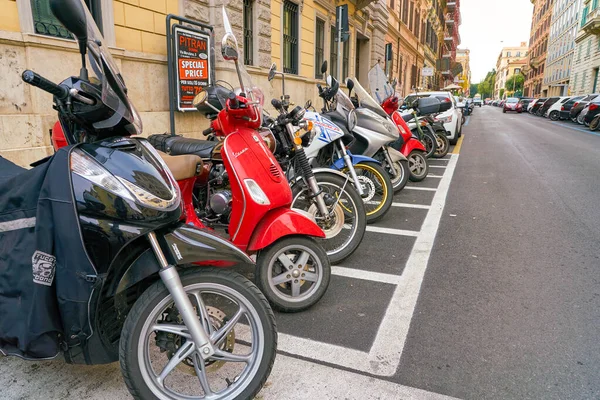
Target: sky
x: 485, y: 23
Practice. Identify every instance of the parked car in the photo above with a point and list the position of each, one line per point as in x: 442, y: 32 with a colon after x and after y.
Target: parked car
x: 553, y: 111
x: 565, y: 109
x: 477, y: 101
x: 537, y: 105
x: 581, y: 117
x: 525, y: 102
x: 452, y: 119
x: 580, y: 105
x: 547, y: 104
x: 531, y: 104
x: 512, y: 104
x: 593, y: 110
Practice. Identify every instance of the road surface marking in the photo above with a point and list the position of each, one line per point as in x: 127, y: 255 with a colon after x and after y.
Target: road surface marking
x: 468, y: 119
x: 458, y: 145
x: 390, y: 231
x: 365, y: 275
x: 576, y: 128
x: 420, y: 188
x: 434, y: 176
x: 436, y: 166
x: 384, y: 357
x: 408, y: 205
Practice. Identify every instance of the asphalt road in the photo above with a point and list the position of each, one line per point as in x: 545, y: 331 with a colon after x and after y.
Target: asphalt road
x: 480, y: 283
x: 510, y: 303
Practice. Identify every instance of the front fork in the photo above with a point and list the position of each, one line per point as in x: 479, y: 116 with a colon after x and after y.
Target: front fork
x: 170, y: 277
x: 389, y: 161
x: 343, y: 153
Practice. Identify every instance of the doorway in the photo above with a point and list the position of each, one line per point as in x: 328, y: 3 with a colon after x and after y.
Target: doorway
x: 362, y: 58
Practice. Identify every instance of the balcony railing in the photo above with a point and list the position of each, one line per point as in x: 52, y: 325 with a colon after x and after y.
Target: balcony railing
x: 590, y: 23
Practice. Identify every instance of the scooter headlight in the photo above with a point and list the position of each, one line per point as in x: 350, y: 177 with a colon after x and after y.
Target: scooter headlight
x: 352, y: 120
x: 256, y: 192
x: 86, y: 167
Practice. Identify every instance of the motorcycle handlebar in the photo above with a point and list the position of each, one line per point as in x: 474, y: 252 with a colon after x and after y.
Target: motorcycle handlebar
x: 233, y: 101
x: 39, y: 81
x: 208, y: 131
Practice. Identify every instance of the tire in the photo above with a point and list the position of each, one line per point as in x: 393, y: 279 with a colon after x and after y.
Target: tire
x: 378, y: 186
x: 352, y: 212
x: 504, y: 111
x: 281, y: 293
x: 136, y: 365
x: 580, y: 118
x: 463, y: 119
x: 429, y: 141
x: 595, y: 124
x: 419, y: 168
x: 443, y: 145
x: 403, y: 172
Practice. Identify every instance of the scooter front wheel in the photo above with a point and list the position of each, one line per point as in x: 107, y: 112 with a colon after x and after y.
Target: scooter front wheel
x: 402, y: 171
x: 443, y: 145
x: 293, y: 273
x: 159, y: 360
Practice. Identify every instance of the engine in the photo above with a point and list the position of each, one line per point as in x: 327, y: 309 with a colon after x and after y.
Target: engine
x: 220, y: 202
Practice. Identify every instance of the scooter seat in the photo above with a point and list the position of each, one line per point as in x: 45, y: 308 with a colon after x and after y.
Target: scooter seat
x: 407, y: 117
x: 200, y: 148
x: 178, y: 145
x: 184, y: 166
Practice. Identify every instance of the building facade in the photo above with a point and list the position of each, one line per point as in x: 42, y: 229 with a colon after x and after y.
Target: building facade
x: 538, y: 48
x: 448, y: 66
x: 586, y: 57
x: 511, y: 61
x: 561, y: 46
x: 297, y: 35
x: 463, y: 56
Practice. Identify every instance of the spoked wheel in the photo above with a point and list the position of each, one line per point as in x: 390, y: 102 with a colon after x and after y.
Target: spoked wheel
x: 346, y: 223
x: 293, y: 273
x: 402, y: 171
x: 443, y: 145
x: 554, y: 115
x: 429, y: 141
x: 160, y: 361
x: 377, y: 186
x: 419, y: 168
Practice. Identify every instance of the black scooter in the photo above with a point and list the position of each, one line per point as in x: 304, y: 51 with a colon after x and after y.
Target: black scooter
x: 96, y: 263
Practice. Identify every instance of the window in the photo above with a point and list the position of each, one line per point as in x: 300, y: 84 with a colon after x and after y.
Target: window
x: 518, y: 54
x: 508, y: 54
x: 392, y: 4
x: 45, y: 23
x: 388, y: 59
x: 517, y: 71
x: 248, y: 28
x: 333, y: 53
x: 589, y: 47
x: 319, y: 47
x: 405, y: 12
x: 346, y: 58
x: 290, y: 37
x: 411, y: 16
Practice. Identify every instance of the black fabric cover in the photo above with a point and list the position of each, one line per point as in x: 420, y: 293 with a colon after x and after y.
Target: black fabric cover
x: 44, y: 293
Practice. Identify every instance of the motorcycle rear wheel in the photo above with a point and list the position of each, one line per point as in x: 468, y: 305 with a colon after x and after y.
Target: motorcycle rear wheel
x: 595, y: 124
x: 348, y: 206
x: 293, y: 273
x: 429, y: 141
x: 419, y: 168
x: 235, y: 314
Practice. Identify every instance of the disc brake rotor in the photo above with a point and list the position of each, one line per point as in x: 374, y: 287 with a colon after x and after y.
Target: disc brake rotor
x: 335, y: 224
x: 369, y: 186
x: 217, y: 320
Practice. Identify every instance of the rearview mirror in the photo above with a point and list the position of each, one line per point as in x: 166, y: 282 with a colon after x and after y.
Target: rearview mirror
x: 71, y: 14
x: 350, y: 84
x: 200, y: 98
x: 272, y: 72
x: 329, y: 80
x: 308, y: 104
x: 324, y: 67
x: 229, y: 48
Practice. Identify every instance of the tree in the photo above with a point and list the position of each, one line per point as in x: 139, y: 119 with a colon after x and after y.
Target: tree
x: 486, y: 87
x: 502, y: 93
x: 515, y: 84
x: 474, y: 89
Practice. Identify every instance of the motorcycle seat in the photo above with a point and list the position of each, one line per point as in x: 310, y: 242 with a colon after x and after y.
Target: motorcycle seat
x: 184, y: 166
x: 407, y: 117
x: 182, y: 145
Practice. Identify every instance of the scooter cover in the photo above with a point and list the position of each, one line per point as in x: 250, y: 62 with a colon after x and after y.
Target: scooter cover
x: 44, y: 292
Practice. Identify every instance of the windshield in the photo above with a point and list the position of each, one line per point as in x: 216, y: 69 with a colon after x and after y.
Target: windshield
x: 512, y: 100
x: 344, y: 103
x: 365, y: 100
x: 251, y: 91
x: 379, y: 85
x: 114, y: 91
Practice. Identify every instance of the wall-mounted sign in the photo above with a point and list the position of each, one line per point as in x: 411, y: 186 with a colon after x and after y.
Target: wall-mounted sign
x: 427, y: 71
x: 192, y: 51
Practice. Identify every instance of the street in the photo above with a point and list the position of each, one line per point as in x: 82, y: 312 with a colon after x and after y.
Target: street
x: 480, y: 283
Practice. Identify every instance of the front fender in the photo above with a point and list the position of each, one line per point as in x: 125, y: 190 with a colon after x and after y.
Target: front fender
x: 414, y: 144
x: 282, y: 222
x: 321, y: 171
x: 186, y: 245
x: 395, y: 155
x: 339, y: 164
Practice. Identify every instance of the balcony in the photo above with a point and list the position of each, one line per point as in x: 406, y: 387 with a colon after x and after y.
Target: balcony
x: 451, y: 5
x: 535, y: 62
x: 591, y: 24
x: 449, y: 19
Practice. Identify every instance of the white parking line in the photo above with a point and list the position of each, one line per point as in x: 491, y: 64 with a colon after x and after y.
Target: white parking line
x: 437, y: 166
x: 365, y: 275
x: 399, y: 232
x: 420, y: 188
x: 434, y: 176
x: 408, y: 205
x: 384, y: 357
